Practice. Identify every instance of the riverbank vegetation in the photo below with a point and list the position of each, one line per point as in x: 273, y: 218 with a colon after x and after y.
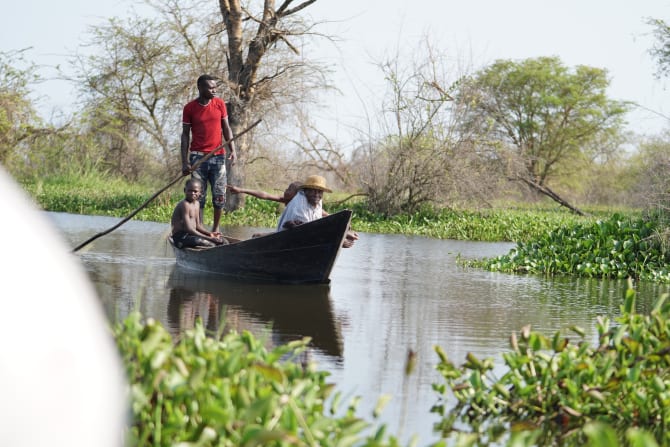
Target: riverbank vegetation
x: 230, y: 390
x: 444, y: 153
x: 93, y: 195
x: 555, y: 390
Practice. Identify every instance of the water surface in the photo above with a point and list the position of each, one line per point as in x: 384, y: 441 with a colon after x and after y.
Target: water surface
x: 388, y: 295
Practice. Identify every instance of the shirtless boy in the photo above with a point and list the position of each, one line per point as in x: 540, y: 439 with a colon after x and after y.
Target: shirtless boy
x: 187, y: 230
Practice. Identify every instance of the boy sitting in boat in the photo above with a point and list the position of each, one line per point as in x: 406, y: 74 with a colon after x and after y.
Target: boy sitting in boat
x: 187, y: 230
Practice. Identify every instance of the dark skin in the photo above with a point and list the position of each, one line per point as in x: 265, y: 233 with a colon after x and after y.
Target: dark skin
x: 206, y: 91
x: 314, y: 196
x: 186, y: 215
x: 285, y: 198
x: 289, y: 193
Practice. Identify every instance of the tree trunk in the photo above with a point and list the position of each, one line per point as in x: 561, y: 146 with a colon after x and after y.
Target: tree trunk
x: 236, y: 172
x: 549, y: 193
x: 244, y: 61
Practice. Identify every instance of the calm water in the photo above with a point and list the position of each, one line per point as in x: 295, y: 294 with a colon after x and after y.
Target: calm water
x: 388, y: 295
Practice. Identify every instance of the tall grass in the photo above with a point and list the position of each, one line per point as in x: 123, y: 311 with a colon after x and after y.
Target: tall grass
x: 94, y: 195
x: 100, y: 195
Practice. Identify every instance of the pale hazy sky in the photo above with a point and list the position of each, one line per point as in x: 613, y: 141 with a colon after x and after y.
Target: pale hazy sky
x: 610, y: 34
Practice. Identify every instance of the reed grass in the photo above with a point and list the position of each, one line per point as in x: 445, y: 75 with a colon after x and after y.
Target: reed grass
x: 112, y: 197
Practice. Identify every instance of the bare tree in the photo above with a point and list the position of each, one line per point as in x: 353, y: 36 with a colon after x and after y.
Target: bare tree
x: 258, y: 64
x: 143, y: 71
x: 18, y: 119
x: 660, y: 51
x: 129, y: 86
x: 648, y: 170
x: 27, y: 143
x: 421, y: 152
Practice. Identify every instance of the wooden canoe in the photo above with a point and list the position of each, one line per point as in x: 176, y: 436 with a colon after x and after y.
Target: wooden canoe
x: 304, y: 254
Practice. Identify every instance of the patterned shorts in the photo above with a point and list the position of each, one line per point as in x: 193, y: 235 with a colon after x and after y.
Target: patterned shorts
x: 212, y: 172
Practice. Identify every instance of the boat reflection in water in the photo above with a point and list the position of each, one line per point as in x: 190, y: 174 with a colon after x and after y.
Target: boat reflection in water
x: 275, y: 313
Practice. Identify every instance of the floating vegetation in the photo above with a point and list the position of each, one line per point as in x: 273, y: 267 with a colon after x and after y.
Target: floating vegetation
x: 229, y: 390
x: 619, y: 247
x: 556, y: 391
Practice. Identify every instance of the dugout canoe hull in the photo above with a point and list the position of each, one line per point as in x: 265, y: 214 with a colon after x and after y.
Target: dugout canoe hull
x: 304, y: 254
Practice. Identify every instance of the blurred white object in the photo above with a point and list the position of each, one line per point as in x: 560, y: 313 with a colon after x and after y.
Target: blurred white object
x: 61, y: 380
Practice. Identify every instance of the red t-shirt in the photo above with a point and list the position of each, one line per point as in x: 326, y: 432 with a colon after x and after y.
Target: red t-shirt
x: 205, y: 121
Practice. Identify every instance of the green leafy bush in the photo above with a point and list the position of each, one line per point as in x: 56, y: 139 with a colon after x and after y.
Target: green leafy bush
x: 229, y: 390
x: 618, y: 247
x: 554, y: 389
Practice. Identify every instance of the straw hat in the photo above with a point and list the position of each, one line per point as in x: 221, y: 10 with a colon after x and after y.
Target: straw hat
x: 315, y: 182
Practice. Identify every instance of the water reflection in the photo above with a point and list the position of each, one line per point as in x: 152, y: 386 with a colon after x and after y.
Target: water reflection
x: 292, y: 312
x: 389, y: 294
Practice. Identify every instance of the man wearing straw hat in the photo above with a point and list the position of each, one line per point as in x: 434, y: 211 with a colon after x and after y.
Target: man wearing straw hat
x: 306, y: 206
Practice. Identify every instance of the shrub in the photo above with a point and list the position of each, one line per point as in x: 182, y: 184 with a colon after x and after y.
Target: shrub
x: 555, y: 388
x: 229, y: 390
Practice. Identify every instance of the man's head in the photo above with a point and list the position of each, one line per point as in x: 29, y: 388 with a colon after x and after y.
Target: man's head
x: 192, y: 190
x: 314, y: 187
x: 207, y: 86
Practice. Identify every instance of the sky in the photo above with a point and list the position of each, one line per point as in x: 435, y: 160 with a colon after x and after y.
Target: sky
x: 610, y: 34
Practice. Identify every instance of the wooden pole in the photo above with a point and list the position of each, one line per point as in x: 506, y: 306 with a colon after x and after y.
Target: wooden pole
x: 160, y: 191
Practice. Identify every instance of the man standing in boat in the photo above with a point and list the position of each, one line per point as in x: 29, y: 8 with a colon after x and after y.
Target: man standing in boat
x: 205, y: 128
x: 187, y: 229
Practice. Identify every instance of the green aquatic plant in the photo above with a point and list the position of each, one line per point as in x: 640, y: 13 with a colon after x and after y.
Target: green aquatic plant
x: 113, y: 197
x: 619, y: 247
x: 485, y: 225
x: 230, y: 390
x: 557, y: 390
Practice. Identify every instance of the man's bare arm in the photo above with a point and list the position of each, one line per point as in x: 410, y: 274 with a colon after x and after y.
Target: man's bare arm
x: 252, y: 192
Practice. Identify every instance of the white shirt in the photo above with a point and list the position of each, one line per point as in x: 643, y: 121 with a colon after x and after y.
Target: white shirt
x: 300, y: 209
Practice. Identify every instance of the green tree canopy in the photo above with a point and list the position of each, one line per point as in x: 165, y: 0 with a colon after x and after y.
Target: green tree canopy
x: 537, y: 115
x: 17, y: 115
x: 661, y: 49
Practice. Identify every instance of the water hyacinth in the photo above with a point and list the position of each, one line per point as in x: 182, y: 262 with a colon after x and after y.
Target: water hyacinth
x: 616, y: 248
x: 556, y: 389
x: 230, y: 390
x: 94, y: 195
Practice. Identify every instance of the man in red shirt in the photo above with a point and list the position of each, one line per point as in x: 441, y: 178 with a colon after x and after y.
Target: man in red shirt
x: 205, y: 125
